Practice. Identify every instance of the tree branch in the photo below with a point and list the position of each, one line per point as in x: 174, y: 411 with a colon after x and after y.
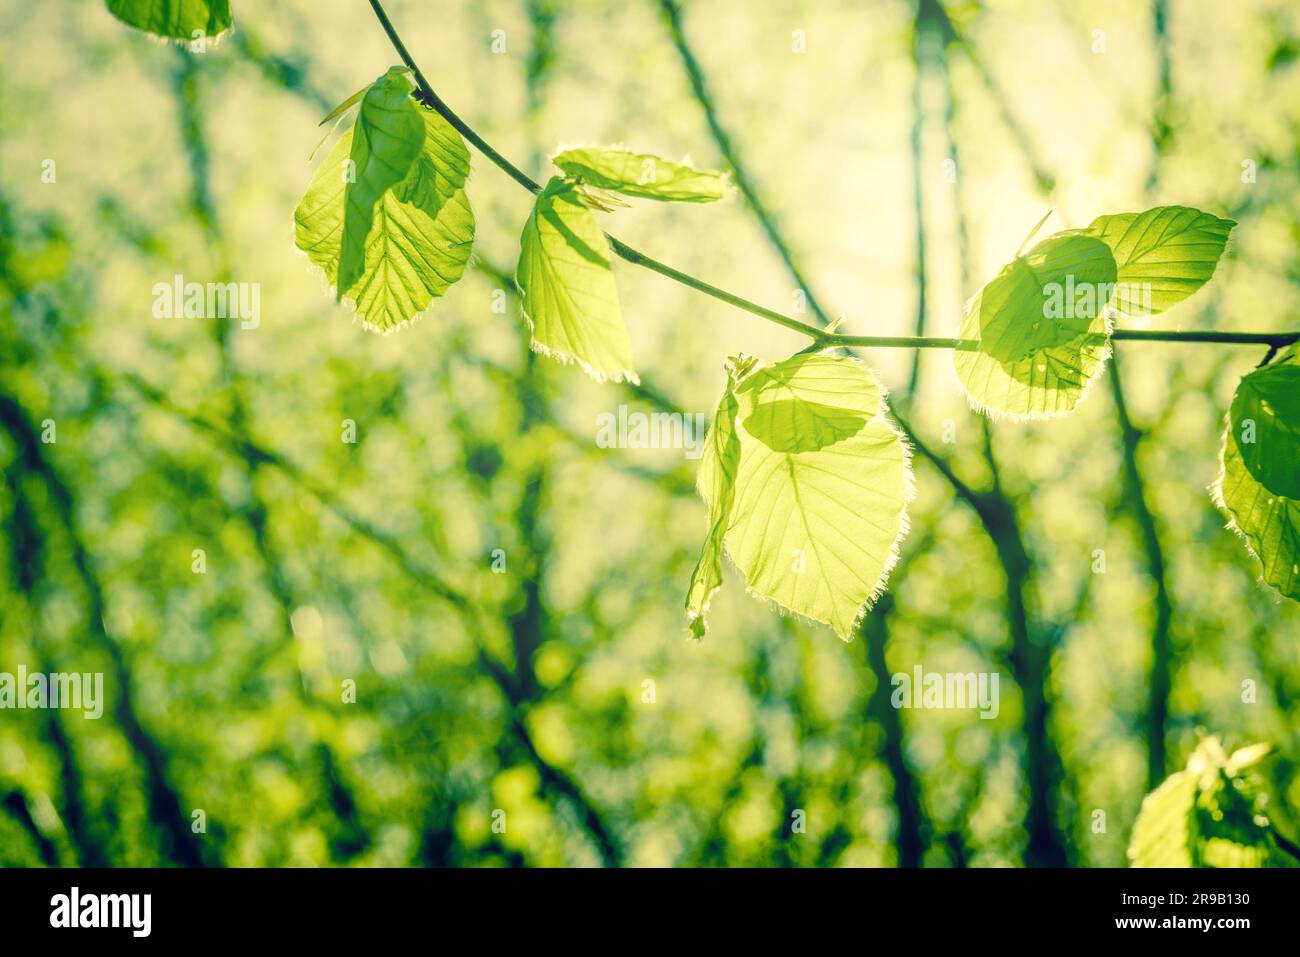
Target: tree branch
x: 821, y: 339
x: 256, y: 514
x: 1162, y: 652
x: 421, y: 577
x: 739, y: 172
x: 16, y: 805
x: 163, y: 800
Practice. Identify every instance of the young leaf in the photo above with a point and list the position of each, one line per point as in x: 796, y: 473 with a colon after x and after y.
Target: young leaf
x: 176, y: 19
x: 1268, y: 523
x: 716, y: 480
x: 1163, y: 255
x: 1049, y: 297
x: 819, y: 500
x: 1164, y: 834
x: 569, y: 296
x: 343, y: 107
x: 1040, y: 329
x: 421, y: 237
x: 809, y: 402
x: 1207, y: 815
x: 386, y: 139
x: 1266, y: 519
x: 1265, y: 417
x: 641, y: 174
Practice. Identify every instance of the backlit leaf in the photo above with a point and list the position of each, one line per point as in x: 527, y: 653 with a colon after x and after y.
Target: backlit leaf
x: 1267, y: 521
x: 421, y: 236
x: 809, y: 402
x: 1207, y: 815
x: 569, y: 296
x: 386, y: 139
x: 176, y: 19
x: 1039, y: 329
x: 716, y: 481
x: 819, y: 503
x: 1165, y: 830
x: 1163, y: 255
x: 1265, y: 418
x: 641, y: 174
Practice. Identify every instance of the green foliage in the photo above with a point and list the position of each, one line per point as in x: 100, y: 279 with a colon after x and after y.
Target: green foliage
x: 1040, y: 335
x: 1173, y: 250
x: 1207, y: 815
x: 176, y: 19
x: 1012, y: 306
x: 1258, y: 471
x: 388, y: 221
x: 641, y: 174
x: 1041, y: 329
x: 1265, y: 417
x: 494, y: 582
x: 386, y: 139
x: 569, y: 296
x: 716, y: 480
x: 818, y: 503
x: 1269, y: 523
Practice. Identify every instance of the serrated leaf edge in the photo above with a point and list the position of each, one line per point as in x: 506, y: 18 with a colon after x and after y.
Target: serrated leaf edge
x: 1216, y: 496
x: 331, y: 287
x: 895, y: 548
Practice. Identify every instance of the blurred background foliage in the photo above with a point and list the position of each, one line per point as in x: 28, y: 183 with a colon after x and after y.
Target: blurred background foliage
x: 527, y: 692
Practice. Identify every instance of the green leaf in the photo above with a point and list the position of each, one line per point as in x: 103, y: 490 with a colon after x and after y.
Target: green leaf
x: 1164, y: 834
x: 1223, y: 852
x: 421, y: 235
x: 642, y: 174
x: 1039, y: 330
x: 716, y: 480
x: 1049, y: 297
x: 1246, y: 757
x: 818, y: 503
x: 343, y: 107
x: 386, y: 139
x: 1163, y: 255
x: 809, y: 402
x: 568, y: 292
x: 1258, y: 470
x: 1265, y: 417
x: 1268, y: 522
x: 176, y: 19
x: 1207, y: 815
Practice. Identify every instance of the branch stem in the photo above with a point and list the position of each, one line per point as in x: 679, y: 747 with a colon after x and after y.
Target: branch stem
x: 1274, y: 339
x: 1283, y: 844
x: 820, y: 338
x: 434, y: 102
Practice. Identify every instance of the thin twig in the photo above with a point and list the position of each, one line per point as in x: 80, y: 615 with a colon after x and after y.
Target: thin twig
x: 920, y: 32
x: 823, y: 339
x: 739, y: 172
x: 1163, y: 610
x: 1284, y: 844
x: 1274, y: 339
x: 424, y: 578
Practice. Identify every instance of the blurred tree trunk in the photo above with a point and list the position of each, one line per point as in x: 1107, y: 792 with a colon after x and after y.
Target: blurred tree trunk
x: 177, y: 841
